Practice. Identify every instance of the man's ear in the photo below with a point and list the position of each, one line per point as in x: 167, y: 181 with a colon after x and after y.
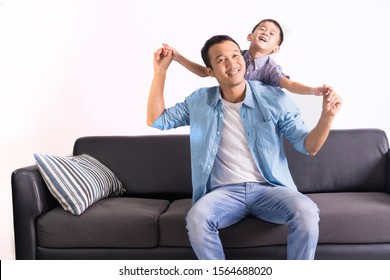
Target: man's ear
x: 276, y: 49
x: 249, y: 37
x: 209, y: 71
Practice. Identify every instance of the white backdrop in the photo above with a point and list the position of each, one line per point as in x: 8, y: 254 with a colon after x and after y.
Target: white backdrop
x: 75, y: 68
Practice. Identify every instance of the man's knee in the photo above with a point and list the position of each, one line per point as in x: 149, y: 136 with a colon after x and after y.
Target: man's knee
x: 196, y: 218
x: 309, y: 214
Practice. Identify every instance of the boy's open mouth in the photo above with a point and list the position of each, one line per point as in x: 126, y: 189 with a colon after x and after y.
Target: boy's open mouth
x: 264, y: 39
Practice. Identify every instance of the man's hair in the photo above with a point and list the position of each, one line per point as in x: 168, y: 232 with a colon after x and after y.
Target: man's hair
x: 277, y: 25
x: 211, y: 42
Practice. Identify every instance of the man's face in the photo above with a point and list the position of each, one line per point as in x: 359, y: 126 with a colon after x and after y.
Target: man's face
x: 228, y: 65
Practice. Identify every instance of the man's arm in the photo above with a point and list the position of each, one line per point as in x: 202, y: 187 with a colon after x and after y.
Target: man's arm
x: 331, y: 105
x: 162, y: 58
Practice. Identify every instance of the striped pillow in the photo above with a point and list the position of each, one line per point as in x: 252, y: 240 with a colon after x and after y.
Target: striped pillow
x: 77, y: 181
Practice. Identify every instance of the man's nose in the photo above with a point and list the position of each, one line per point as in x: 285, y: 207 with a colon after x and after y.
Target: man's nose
x: 229, y: 62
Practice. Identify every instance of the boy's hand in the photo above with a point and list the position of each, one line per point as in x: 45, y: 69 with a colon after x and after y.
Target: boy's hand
x: 321, y: 91
x: 175, y: 53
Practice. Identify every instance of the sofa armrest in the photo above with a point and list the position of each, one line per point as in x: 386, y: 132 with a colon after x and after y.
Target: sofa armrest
x: 388, y: 171
x: 31, y: 198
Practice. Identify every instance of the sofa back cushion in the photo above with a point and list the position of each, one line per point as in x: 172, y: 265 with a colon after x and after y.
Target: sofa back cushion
x: 350, y: 160
x: 160, y: 167
x: 147, y: 166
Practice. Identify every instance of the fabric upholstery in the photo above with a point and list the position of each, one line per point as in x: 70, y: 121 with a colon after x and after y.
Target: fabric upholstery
x: 149, y: 166
x: 344, y: 218
x: 111, y: 222
x: 348, y: 179
x: 349, y: 161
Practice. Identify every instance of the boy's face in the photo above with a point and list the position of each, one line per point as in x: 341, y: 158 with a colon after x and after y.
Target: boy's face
x: 227, y: 63
x: 266, y: 37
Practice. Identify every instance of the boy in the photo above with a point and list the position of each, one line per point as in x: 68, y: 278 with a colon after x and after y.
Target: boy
x: 266, y: 38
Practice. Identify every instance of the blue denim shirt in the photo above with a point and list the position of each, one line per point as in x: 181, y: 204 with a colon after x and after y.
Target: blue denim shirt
x: 267, y: 113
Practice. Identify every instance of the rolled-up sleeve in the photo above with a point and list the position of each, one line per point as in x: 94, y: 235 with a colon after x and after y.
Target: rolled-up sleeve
x: 173, y: 117
x: 292, y: 125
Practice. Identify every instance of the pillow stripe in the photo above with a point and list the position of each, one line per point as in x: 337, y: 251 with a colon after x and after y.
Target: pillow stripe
x: 72, y: 174
x: 61, y: 184
x: 77, y: 181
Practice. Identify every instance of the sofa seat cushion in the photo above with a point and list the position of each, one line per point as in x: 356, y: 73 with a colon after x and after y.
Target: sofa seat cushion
x: 111, y: 222
x: 354, y: 217
x: 344, y: 218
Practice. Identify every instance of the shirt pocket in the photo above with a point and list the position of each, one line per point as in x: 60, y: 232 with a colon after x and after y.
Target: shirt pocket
x: 266, y: 136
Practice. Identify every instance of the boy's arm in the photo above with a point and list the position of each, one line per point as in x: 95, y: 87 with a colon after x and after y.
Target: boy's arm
x: 316, y: 138
x: 190, y: 65
x: 296, y: 87
x: 156, y: 105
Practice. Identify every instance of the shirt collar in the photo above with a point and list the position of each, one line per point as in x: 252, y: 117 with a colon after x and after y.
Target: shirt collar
x: 216, y: 96
x: 259, y: 62
x: 248, y: 101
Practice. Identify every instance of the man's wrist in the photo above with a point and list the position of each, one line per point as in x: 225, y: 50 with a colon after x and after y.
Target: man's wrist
x: 326, y: 120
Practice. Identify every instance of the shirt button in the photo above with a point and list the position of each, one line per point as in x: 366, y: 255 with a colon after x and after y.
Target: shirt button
x: 218, y: 132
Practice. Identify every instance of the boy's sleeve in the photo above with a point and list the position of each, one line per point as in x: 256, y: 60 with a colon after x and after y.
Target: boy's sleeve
x: 276, y: 73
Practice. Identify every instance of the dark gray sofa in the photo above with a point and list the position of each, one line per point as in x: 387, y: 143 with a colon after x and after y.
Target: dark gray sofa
x: 349, y: 179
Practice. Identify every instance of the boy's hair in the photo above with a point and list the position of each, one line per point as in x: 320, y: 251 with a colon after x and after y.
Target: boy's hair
x: 277, y: 25
x: 217, y: 39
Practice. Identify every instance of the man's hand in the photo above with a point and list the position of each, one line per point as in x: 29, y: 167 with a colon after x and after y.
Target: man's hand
x: 162, y: 58
x: 175, y: 54
x: 331, y: 104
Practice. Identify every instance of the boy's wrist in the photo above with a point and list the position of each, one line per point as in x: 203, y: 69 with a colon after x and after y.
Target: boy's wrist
x: 178, y: 57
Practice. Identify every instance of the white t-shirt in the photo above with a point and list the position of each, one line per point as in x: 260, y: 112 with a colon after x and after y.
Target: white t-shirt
x: 234, y: 162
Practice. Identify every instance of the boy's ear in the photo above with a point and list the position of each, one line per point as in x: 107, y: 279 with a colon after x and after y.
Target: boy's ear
x: 276, y: 49
x: 209, y: 71
x: 249, y: 37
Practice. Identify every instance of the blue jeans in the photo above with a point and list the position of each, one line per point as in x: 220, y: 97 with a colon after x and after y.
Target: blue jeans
x: 227, y: 205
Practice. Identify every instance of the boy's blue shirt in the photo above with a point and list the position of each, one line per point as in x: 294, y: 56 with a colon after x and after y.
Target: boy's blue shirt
x: 267, y: 114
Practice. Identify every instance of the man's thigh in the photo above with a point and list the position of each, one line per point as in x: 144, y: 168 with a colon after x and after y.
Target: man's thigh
x: 224, y: 206
x: 278, y: 204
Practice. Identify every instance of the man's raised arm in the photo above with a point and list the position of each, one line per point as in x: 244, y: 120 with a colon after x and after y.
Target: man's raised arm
x: 330, y: 107
x: 162, y: 58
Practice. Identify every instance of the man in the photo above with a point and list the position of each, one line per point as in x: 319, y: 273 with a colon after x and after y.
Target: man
x: 238, y: 163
